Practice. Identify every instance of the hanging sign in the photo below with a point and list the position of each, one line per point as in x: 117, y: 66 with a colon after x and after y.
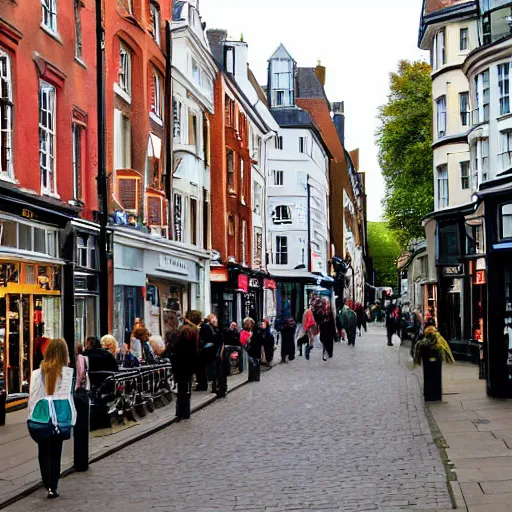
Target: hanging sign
x: 254, y: 282
x: 479, y: 277
x: 243, y: 283
x: 269, y: 284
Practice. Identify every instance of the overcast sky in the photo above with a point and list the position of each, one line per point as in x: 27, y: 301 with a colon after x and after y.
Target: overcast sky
x: 358, y: 45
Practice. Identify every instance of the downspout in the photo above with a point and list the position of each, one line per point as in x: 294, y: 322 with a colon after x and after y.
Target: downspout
x: 169, y: 133
x: 102, y: 169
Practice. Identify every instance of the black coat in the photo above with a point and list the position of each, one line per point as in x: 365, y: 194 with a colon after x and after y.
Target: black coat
x: 101, y: 360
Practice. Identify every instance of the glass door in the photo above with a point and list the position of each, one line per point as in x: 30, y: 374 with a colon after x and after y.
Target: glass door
x: 14, y: 340
x: 26, y: 342
x: 3, y: 337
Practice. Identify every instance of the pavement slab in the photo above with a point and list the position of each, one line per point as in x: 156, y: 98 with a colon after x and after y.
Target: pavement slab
x: 347, y: 435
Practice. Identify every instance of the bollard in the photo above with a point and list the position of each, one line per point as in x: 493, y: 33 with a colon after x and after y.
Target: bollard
x: 3, y: 397
x: 81, y: 431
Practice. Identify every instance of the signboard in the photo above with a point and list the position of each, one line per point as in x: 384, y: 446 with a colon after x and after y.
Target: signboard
x: 269, y: 284
x: 254, y: 282
x: 173, y: 264
x: 479, y: 277
x: 243, y: 283
x: 316, y: 262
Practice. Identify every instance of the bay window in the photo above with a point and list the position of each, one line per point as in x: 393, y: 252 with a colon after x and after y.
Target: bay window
x: 506, y: 149
x: 441, y: 116
x: 482, y: 93
x: 504, y: 88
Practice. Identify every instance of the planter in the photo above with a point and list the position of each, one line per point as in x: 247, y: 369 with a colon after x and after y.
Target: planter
x: 432, y: 374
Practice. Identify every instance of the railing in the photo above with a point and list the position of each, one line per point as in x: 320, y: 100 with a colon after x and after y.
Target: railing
x: 124, y: 395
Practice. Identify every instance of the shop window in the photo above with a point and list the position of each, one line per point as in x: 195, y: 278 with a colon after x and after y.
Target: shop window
x: 8, y: 233
x: 448, y: 244
x: 6, y: 106
x: 25, y: 237
x: 506, y: 221
x: 40, y: 240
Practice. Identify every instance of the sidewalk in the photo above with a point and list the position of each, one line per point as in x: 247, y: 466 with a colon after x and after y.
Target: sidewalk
x: 19, y: 469
x: 477, y: 435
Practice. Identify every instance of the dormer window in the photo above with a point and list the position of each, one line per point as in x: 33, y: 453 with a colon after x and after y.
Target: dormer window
x: 282, y: 215
x: 229, y: 60
x: 282, y: 82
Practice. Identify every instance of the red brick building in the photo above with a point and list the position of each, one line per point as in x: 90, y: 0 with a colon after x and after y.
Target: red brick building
x: 48, y: 165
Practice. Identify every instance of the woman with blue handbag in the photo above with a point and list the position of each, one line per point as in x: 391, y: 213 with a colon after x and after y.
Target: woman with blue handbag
x: 51, y: 411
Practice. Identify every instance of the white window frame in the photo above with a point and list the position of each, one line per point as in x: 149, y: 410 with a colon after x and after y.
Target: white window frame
x: 281, y: 243
x: 443, y: 198
x: 439, y: 50
x: 463, y: 39
x: 464, y: 114
x: 484, y: 143
x: 257, y: 195
x: 279, y: 218
x: 196, y: 73
x: 157, y: 104
x: 506, y: 149
x: 303, y: 144
x: 6, y: 105
x: 279, y: 142
x: 124, y: 78
x: 77, y: 159
x: 504, y: 88
x: 49, y: 15
x: 278, y: 178
x: 482, y: 91
x: 441, y: 116
x: 122, y: 141
x: 155, y: 22
x: 47, y: 138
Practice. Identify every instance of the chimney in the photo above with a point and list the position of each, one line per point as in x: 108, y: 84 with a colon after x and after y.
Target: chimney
x: 338, y: 118
x: 320, y: 72
x: 216, y: 38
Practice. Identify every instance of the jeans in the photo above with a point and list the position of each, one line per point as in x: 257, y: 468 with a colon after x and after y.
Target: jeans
x: 50, y: 453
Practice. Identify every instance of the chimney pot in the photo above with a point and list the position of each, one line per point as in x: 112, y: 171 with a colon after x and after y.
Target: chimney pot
x: 320, y: 72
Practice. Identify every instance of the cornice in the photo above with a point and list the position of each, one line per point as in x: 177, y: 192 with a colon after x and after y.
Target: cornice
x: 484, y: 55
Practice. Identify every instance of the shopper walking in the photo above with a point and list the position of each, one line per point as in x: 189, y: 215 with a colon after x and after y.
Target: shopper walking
x: 287, y: 329
x: 392, y: 321
x: 348, y: 322
x: 210, y: 334
x: 252, y: 341
x: 327, y: 331
x: 182, y: 350
x: 51, y: 411
x: 361, y: 317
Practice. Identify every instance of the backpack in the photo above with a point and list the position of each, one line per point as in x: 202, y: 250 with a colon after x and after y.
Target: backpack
x: 51, y: 418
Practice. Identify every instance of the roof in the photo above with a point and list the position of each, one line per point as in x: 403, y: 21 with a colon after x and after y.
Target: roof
x: 281, y: 53
x: 257, y: 87
x: 308, y: 85
x: 431, y: 6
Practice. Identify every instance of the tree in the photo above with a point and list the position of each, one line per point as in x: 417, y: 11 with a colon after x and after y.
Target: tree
x: 405, y: 150
x: 384, y: 250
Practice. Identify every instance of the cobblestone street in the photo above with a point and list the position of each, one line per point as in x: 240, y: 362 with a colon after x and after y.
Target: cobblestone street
x: 346, y: 435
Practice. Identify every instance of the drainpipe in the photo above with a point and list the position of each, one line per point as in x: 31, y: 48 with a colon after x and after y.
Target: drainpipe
x: 102, y: 169
x: 169, y: 133
x: 309, y: 224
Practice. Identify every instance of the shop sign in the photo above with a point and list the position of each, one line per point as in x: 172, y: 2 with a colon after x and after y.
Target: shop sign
x: 254, y: 282
x: 316, y: 262
x: 243, y: 283
x: 479, y: 277
x: 269, y: 284
x: 480, y: 264
x: 452, y: 271
x: 173, y: 264
x: 28, y: 214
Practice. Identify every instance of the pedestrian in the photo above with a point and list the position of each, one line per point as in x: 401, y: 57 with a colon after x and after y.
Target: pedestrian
x: 348, y: 322
x: 361, y: 317
x: 309, y: 324
x: 182, y: 350
x: 40, y: 346
x: 287, y: 331
x: 157, y: 346
x: 268, y: 342
x: 232, y: 335
x: 51, y: 411
x: 209, y: 334
x: 251, y: 340
x: 100, y: 360
x: 392, y: 321
x: 109, y: 343
x: 327, y: 331
x: 82, y: 406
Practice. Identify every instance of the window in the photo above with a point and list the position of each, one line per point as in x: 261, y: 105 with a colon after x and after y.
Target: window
x: 229, y: 59
x: 257, y: 198
x: 50, y: 14
x: 155, y: 210
x: 155, y: 22
x: 441, y: 116
x: 242, y: 181
x: 504, y: 88
x: 474, y: 166
x: 282, y: 82
x: 282, y: 215
x: 6, y: 105
x: 279, y: 142
x: 464, y: 175
x: 231, y: 225
x: 230, y: 167
x: 486, y: 28
x: 485, y: 159
x: 157, y: 102
x: 77, y: 161
x: 442, y: 186
x: 78, y: 30
x: 482, y: 97
x: 302, y: 144
x: 464, y: 108
x: 193, y: 221
x: 506, y: 150
x: 206, y: 220
x: 258, y: 246
x: 176, y: 113
x: 463, y: 37
x: 438, y: 52
x: 23, y: 236
x: 8, y: 233
x: 128, y: 193
x: 47, y: 137
x: 192, y: 128
x: 244, y: 242
x: 122, y: 141
x: 506, y: 221
x: 278, y: 178
x: 196, y: 73
x: 229, y: 112
x: 281, y: 250
x: 81, y: 252
x: 125, y: 70
x: 178, y: 212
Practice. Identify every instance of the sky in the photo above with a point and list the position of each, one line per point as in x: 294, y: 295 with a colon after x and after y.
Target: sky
x: 359, y: 42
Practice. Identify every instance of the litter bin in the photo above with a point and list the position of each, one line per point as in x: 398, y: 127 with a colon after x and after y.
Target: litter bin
x: 432, y: 375
x: 3, y: 396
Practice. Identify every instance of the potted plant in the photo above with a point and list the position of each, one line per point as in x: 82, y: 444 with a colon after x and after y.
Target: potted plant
x: 430, y: 352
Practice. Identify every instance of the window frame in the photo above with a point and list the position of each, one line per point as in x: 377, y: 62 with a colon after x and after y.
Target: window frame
x: 505, y: 149
x: 178, y: 217
x: 441, y: 116
x: 503, y: 71
x: 442, y: 184
x: 465, y: 175
x: 303, y: 145
x: 49, y: 14
x: 281, y: 255
x: 49, y: 133
x: 157, y: 100
x: 125, y: 71
x: 7, y: 104
x: 501, y: 223
x: 276, y: 174
x: 464, y: 114
x: 156, y: 22
x: 278, y: 218
x: 463, y: 39
x: 279, y: 142
x: 77, y: 169
x: 79, y: 46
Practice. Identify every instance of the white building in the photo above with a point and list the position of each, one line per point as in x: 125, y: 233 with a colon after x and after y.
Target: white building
x: 297, y: 183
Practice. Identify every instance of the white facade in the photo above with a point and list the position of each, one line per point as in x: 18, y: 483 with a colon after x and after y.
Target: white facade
x: 449, y: 44
x: 193, y: 73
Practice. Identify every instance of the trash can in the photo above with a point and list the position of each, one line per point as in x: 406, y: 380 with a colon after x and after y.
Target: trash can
x: 432, y: 375
x: 3, y: 397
